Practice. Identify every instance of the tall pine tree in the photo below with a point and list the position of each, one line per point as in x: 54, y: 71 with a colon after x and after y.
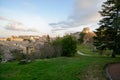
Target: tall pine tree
x: 110, y: 24
x: 99, y: 40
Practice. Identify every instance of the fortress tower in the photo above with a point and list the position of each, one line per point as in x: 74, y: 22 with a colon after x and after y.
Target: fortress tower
x: 86, y: 30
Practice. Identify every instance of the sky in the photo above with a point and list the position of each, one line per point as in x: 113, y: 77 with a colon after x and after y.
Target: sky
x: 53, y: 17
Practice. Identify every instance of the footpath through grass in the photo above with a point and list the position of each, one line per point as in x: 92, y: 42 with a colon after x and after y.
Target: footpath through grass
x: 89, y: 50
x: 62, y: 68
x: 86, y: 50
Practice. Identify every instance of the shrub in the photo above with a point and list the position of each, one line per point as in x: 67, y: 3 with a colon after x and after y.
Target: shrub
x: 69, y: 45
x: 57, y: 45
x: 66, y: 45
x: 18, y: 54
x: 1, y: 52
x: 24, y: 61
x: 8, y: 39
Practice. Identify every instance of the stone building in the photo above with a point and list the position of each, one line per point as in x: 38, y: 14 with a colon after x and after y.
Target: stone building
x: 86, y: 30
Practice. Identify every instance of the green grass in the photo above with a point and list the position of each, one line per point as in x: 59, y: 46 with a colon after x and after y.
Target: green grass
x: 75, y: 68
x: 62, y: 68
x: 89, y: 50
x: 86, y: 50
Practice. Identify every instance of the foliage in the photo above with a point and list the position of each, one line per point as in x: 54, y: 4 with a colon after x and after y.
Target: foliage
x: 57, y: 41
x: 48, y: 38
x: 109, y: 28
x: 99, y: 40
x: 0, y: 57
x: 47, y: 50
x: 27, y: 40
x: 18, y: 54
x: 69, y: 45
x: 57, y: 44
x: 1, y: 51
x: 8, y: 39
x: 81, y: 39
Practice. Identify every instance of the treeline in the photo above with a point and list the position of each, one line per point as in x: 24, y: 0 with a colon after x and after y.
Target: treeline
x: 61, y: 46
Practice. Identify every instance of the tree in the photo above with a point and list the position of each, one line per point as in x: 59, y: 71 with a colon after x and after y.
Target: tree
x: 57, y: 45
x: 18, y: 54
x: 110, y: 23
x: 99, y: 39
x: 8, y: 39
x: 57, y: 41
x: 1, y: 51
x: 48, y: 38
x: 81, y: 39
x: 68, y: 45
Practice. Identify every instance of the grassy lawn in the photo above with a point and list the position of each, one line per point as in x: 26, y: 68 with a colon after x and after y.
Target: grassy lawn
x: 89, y: 50
x: 86, y: 50
x: 62, y: 68
x: 75, y: 68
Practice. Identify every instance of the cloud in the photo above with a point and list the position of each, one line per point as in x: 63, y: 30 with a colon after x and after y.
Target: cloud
x: 2, y: 18
x: 85, y: 12
x: 5, y: 19
x: 16, y: 26
x: 58, y: 29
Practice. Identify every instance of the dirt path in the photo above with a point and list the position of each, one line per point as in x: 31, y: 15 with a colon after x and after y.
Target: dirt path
x: 113, y: 71
x: 80, y: 53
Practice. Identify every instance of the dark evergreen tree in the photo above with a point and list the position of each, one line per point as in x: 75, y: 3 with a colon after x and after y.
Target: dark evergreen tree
x: 99, y: 39
x: 110, y: 23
